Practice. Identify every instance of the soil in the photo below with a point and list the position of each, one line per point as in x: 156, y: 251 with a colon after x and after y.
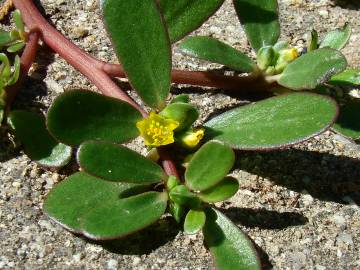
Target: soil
x: 299, y: 205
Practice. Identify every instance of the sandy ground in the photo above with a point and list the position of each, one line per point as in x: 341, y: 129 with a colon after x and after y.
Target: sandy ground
x: 299, y: 205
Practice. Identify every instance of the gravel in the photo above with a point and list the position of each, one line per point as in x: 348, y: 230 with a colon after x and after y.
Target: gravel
x: 299, y: 205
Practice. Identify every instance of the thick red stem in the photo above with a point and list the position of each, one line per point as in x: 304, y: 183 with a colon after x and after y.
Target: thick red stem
x: 167, y: 163
x: 247, y: 84
x: 76, y: 57
x: 26, y: 60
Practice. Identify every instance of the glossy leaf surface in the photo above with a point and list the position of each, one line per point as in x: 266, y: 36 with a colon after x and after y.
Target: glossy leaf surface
x: 349, y: 77
x: 184, y: 16
x: 348, y: 123
x: 229, y: 246
x: 274, y: 122
x: 184, y: 113
x: 260, y: 21
x: 80, y: 193
x: 117, y: 163
x: 337, y: 39
x: 312, y: 69
x: 194, y: 221
x: 39, y: 145
x: 183, y: 196
x: 142, y: 45
x: 123, y: 217
x: 213, y: 50
x: 209, y: 165
x: 77, y: 116
x: 220, y: 192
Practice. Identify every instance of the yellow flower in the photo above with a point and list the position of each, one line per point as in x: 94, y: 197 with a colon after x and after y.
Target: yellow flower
x: 157, y: 130
x: 192, y: 138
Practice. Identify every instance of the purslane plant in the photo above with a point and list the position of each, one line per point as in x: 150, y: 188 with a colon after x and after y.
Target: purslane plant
x: 319, y: 67
x: 118, y: 191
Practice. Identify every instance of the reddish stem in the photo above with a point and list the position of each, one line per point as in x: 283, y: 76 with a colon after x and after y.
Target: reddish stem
x: 26, y: 60
x: 71, y: 53
x: 199, y: 78
x: 167, y: 163
x: 86, y: 63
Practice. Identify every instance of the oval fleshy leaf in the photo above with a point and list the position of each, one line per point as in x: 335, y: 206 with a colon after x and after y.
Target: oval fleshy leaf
x: 275, y: 122
x: 213, y: 50
x: 79, y: 194
x: 229, y: 246
x: 117, y: 163
x: 77, y: 116
x: 312, y: 69
x: 184, y: 16
x: 194, y: 221
x: 260, y: 21
x: 337, y: 39
x: 39, y: 145
x: 206, y: 169
x: 142, y: 44
x: 349, y: 77
x: 220, y: 192
x: 123, y: 217
x: 348, y: 122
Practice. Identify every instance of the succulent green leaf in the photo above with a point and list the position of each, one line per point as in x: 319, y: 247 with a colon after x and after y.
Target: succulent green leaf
x: 312, y: 69
x: 16, y: 71
x: 194, y: 221
x: 39, y: 145
x: 18, y: 20
x: 337, y: 39
x: 183, y: 196
x: 117, y: 163
x: 79, y: 194
x: 348, y: 122
x: 116, y: 219
x: 349, y: 77
x: 16, y: 47
x: 229, y: 246
x: 313, y: 42
x: 142, y: 44
x: 77, y: 116
x: 213, y: 50
x: 184, y: 16
x: 260, y: 21
x: 210, y: 164
x: 182, y: 98
x: 5, y: 38
x: 5, y: 67
x: 177, y: 211
x: 220, y: 192
x: 274, y: 122
x: 184, y: 113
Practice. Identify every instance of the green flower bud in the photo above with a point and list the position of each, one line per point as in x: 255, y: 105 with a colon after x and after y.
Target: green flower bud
x: 266, y: 57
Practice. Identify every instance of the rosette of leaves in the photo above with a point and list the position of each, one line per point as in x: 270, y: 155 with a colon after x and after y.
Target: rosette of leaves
x: 279, y: 66
x: 14, y: 40
x: 341, y: 85
x: 117, y: 180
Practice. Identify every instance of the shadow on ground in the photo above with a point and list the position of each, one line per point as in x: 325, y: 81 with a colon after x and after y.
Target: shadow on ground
x: 264, y: 219
x: 324, y: 176
x: 144, y: 241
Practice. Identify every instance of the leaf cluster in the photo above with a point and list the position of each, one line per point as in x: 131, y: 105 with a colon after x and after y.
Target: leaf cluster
x: 118, y: 191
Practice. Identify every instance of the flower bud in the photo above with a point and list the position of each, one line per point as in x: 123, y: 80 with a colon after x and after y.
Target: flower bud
x: 191, y: 138
x: 266, y: 56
